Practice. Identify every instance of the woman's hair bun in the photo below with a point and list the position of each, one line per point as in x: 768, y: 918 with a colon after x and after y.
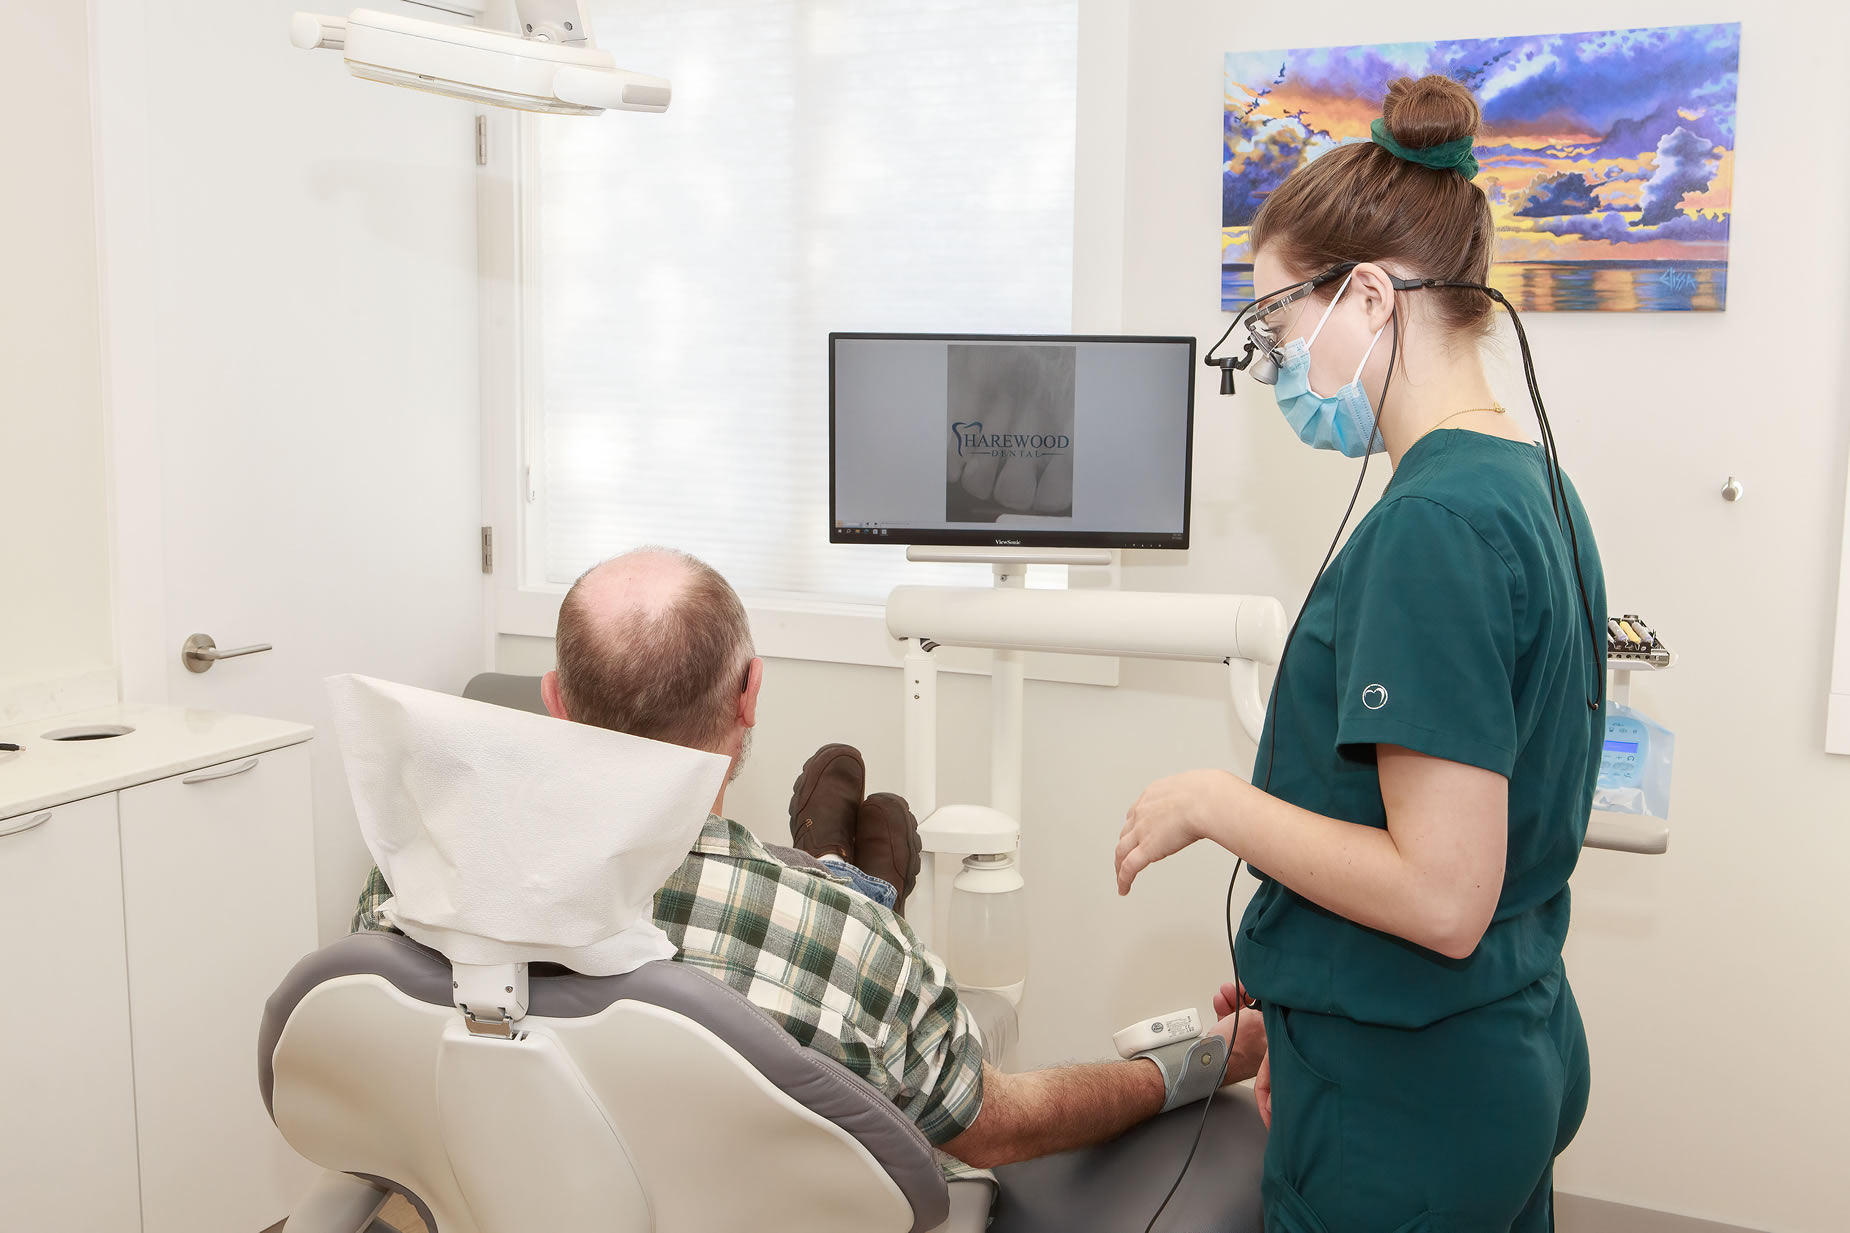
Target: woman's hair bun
x: 1429, y: 112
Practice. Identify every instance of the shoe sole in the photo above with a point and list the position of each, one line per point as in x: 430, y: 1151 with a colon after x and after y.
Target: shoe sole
x: 810, y: 777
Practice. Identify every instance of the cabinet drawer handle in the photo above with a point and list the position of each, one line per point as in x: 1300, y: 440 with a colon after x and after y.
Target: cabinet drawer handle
x: 222, y: 773
x: 20, y: 828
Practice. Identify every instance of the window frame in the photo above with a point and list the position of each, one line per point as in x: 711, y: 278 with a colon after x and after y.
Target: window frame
x: 784, y: 626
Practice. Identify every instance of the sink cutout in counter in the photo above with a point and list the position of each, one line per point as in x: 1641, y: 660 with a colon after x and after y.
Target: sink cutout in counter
x: 96, y: 732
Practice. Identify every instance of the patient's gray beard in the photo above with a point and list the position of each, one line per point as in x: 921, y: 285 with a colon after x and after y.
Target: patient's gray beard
x: 745, y: 752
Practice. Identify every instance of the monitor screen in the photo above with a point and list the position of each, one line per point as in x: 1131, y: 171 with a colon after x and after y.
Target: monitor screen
x: 1030, y: 441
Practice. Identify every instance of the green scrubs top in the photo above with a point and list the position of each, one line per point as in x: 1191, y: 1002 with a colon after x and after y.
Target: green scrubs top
x: 1450, y: 624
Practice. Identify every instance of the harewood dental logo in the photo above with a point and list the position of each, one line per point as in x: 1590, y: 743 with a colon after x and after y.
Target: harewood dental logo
x: 972, y: 441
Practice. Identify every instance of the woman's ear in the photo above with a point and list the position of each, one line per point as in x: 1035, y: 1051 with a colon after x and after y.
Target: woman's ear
x: 1372, y: 285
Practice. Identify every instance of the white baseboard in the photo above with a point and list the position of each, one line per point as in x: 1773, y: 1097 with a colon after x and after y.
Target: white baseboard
x: 1575, y: 1214
x: 22, y: 701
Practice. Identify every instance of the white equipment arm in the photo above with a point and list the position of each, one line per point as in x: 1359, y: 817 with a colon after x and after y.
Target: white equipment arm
x: 1242, y: 631
x: 551, y: 63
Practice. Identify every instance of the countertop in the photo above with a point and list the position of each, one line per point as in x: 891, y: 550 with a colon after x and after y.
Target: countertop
x: 167, y: 740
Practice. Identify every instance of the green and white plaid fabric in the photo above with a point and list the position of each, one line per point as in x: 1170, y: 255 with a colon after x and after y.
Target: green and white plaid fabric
x: 840, y: 973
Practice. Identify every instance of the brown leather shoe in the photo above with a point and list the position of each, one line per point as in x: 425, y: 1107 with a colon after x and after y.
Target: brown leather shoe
x: 886, y: 843
x: 825, y: 803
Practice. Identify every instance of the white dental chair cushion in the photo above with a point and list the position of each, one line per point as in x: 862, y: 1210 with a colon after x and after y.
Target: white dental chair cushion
x: 657, y: 1100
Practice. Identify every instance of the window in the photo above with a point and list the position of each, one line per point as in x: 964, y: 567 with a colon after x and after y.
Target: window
x: 864, y: 165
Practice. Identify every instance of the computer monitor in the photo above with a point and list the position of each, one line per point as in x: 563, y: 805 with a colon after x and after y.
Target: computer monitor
x: 1032, y: 441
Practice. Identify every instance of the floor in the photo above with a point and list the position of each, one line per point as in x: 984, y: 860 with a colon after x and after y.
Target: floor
x: 402, y: 1217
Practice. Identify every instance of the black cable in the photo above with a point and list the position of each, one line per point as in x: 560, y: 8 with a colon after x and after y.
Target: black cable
x: 1557, y: 486
x: 1206, y: 1107
x: 1239, y: 994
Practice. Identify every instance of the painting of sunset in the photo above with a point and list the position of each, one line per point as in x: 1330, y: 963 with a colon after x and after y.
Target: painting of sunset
x: 1608, y: 157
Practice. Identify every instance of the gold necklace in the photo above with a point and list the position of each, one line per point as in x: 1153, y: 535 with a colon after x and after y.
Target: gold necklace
x: 1495, y: 406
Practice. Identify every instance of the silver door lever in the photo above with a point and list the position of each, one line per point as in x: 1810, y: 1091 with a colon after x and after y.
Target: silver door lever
x: 199, y: 652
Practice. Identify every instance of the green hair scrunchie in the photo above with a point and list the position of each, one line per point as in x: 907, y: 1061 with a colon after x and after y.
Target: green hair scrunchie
x: 1452, y: 156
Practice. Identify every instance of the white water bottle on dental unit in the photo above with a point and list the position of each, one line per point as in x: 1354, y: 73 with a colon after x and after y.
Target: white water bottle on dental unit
x: 988, y: 926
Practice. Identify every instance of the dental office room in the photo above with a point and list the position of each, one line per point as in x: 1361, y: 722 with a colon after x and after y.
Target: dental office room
x: 500, y: 732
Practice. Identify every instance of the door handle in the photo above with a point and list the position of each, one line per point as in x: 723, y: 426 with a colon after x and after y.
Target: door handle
x: 20, y: 828
x: 200, y: 652
x: 223, y: 772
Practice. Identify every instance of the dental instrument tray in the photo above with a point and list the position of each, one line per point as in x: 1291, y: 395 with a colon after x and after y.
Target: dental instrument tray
x: 1632, y: 645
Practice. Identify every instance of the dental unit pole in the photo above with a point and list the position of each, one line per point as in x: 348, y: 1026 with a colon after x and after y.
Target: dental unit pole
x: 1242, y: 631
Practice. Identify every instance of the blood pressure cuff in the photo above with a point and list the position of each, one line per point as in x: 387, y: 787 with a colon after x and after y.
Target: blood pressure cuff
x: 1192, y: 1069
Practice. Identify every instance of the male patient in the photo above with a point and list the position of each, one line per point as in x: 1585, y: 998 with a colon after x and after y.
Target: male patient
x: 656, y: 644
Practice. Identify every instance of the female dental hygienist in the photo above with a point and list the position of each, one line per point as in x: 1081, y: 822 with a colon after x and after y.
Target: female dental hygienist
x: 1434, y: 737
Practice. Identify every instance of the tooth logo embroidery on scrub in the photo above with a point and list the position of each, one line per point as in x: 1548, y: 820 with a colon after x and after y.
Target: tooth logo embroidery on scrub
x: 1374, y: 697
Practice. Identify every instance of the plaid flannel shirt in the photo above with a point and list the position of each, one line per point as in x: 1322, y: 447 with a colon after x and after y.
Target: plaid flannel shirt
x: 843, y: 975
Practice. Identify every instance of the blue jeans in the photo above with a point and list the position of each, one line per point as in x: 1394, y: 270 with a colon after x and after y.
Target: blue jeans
x: 879, y: 891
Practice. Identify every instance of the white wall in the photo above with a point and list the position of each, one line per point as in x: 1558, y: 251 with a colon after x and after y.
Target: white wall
x: 289, y: 267
x: 54, y: 528
x: 1711, y: 979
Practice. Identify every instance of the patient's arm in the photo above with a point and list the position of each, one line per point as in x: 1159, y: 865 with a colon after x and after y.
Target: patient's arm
x: 1046, y: 1111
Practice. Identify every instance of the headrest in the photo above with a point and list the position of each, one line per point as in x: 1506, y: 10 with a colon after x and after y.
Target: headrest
x: 508, y: 837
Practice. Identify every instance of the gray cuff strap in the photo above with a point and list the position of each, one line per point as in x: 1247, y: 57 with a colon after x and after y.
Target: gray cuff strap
x: 1192, y: 1069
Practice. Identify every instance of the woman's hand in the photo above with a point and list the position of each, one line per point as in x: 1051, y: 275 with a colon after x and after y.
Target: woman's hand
x: 1171, y: 814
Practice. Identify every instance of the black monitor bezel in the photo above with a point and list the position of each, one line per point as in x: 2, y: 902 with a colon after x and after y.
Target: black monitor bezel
x: 940, y: 538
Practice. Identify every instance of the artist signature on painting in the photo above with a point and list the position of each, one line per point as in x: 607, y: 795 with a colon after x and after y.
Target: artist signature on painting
x: 1678, y: 280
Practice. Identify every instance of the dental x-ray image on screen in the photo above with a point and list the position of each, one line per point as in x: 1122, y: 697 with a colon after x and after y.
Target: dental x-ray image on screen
x: 1011, y: 432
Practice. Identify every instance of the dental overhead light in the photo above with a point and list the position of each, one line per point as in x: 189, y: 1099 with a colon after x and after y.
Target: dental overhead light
x: 551, y: 63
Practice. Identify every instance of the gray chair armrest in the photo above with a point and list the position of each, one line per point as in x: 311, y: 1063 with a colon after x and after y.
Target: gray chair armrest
x: 1118, y: 1185
x: 970, y: 1203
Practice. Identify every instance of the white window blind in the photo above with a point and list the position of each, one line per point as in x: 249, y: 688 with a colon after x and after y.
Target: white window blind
x: 855, y: 165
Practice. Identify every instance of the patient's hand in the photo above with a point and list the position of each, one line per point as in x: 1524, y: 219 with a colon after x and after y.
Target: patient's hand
x: 1262, y: 1090
x: 1246, y: 1054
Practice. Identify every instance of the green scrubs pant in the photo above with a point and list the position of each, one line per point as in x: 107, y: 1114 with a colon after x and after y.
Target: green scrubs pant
x: 1451, y: 1128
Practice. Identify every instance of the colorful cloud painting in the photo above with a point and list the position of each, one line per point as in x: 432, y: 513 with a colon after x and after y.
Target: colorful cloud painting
x: 1608, y: 157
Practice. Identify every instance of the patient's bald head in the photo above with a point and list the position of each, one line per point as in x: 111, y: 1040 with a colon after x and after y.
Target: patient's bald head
x: 656, y: 644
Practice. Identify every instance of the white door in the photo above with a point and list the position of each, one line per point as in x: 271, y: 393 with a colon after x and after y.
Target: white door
x: 67, y: 1096
x: 219, y: 905
x: 289, y: 296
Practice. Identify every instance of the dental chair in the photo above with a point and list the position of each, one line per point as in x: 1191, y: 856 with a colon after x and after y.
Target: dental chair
x: 656, y: 1100
x: 518, y: 1098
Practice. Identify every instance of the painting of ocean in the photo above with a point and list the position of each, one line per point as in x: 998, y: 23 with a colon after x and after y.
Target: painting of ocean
x: 1608, y: 157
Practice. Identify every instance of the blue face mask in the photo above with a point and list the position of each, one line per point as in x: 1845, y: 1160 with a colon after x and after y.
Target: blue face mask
x: 1345, y: 422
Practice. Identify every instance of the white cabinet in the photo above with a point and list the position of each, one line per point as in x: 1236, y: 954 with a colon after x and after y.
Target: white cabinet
x: 218, y: 893
x: 155, y: 887
x: 67, y: 1104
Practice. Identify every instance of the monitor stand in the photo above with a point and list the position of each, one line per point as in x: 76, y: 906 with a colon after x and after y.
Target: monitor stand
x: 991, y: 555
